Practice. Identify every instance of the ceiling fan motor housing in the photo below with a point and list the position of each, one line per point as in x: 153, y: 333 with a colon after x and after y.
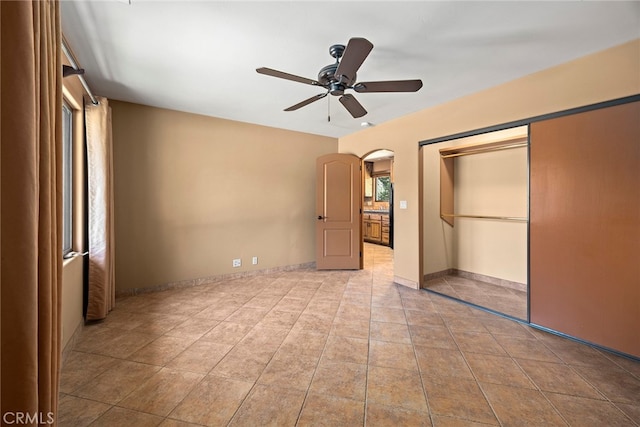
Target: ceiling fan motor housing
x: 336, y: 89
x: 328, y: 79
x: 327, y: 75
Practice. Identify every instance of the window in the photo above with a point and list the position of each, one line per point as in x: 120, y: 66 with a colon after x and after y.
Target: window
x: 383, y: 188
x: 67, y: 193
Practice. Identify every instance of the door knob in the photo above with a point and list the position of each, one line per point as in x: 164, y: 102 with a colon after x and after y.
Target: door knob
x: 320, y: 217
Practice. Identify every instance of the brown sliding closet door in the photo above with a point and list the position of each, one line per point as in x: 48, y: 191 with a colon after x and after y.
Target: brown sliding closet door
x: 585, y: 226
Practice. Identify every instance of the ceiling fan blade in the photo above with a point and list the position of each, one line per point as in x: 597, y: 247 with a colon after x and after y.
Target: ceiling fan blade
x: 353, y: 106
x: 306, y: 102
x: 282, y: 75
x: 389, y: 86
x: 354, y: 55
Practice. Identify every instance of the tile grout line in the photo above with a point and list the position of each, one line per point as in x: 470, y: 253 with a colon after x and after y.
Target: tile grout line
x: 366, y: 377
x: 270, y: 359
x: 213, y: 367
x: 605, y: 398
x: 205, y: 374
x: 415, y: 356
x: 475, y: 378
x: 315, y: 369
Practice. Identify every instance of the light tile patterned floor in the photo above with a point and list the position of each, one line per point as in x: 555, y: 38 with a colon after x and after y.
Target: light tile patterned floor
x: 334, y: 348
x: 501, y: 299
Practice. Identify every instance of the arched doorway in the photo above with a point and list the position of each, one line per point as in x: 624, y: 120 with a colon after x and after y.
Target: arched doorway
x: 377, y: 204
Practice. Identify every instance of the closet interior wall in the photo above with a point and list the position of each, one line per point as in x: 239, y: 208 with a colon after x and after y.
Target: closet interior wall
x: 490, y: 197
x: 483, y: 212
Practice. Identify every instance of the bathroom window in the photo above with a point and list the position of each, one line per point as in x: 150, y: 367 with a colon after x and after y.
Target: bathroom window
x: 383, y: 188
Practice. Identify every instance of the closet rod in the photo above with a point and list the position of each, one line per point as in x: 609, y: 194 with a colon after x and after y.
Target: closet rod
x: 485, y: 150
x: 502, y: 218
x: 74, y: 64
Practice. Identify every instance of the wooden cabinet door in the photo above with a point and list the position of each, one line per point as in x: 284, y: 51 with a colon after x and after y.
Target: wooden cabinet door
x: 376, y: 231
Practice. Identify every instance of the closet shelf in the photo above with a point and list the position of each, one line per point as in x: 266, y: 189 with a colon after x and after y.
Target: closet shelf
x: 465, y: 150
x: 501, y: 218
x: 447, y: 160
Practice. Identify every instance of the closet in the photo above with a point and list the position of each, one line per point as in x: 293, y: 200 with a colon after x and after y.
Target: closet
x: 484, y: 209
x: 547, y: 208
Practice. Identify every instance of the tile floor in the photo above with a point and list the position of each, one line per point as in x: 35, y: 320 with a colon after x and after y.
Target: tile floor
x: 511, y: 302
x: 333, y: 348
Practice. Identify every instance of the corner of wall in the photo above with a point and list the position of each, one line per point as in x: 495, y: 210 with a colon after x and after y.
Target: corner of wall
x: 72, y: 293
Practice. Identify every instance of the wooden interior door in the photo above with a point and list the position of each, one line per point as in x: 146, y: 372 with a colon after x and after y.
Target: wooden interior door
x: 338, y: 207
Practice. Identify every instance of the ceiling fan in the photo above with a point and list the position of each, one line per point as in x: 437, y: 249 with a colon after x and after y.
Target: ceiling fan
x: 341, y: 75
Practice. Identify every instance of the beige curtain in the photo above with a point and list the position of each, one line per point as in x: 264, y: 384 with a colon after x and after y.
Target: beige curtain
x: 101, y: 289
x: 30, y: 170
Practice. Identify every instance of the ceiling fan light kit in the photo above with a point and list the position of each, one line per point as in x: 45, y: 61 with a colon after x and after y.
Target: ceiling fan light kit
x: 336, y: 78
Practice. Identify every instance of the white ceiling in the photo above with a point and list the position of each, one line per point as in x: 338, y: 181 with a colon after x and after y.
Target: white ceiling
x: 201, y: 56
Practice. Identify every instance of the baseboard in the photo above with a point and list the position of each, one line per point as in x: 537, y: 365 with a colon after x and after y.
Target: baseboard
x: 438, y: 274
x: 479, y: 277
x: 406, y: 282
x: 71, y: 343
x: 489, y: 279
x: 211, y: 279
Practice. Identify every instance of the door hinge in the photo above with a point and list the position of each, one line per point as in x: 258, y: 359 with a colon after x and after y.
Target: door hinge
x: 360, y: 254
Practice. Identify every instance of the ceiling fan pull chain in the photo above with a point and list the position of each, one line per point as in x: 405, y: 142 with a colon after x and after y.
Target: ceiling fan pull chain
x: 328, y: 109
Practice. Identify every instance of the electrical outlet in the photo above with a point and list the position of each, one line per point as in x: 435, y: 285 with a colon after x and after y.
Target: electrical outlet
x: 254, y: 261
x: 237, y: 262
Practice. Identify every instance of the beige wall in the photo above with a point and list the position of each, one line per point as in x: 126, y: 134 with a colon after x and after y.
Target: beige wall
x: 72, y: 269
x: 193, y: 192
x: 602, y: 76
x: 71, y: 298
x: 403, y: 141
x: 493, y: 184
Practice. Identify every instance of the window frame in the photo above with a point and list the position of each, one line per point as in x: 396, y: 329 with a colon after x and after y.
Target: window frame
x: 387, y: 178
x: 67, y: 179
